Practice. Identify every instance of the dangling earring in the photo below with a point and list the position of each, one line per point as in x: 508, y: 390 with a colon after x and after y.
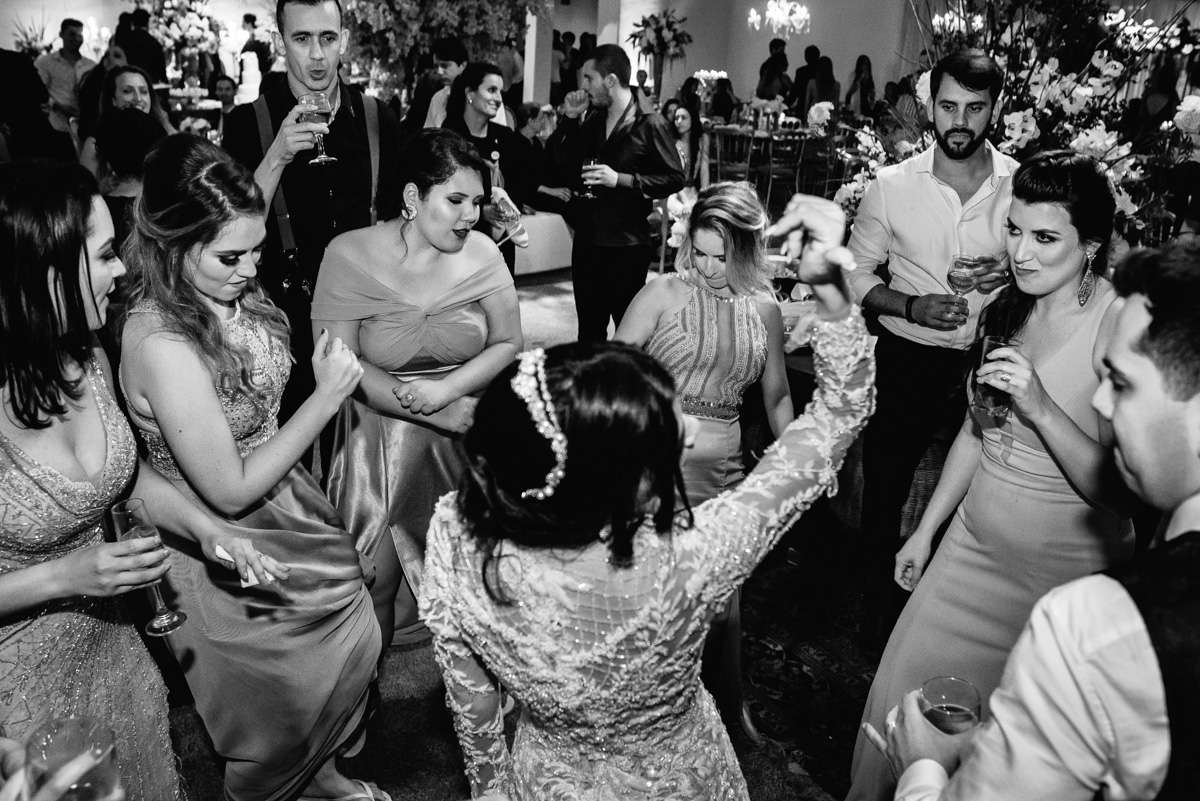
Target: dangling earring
x: 409, y: 213
x: 1088, y: 283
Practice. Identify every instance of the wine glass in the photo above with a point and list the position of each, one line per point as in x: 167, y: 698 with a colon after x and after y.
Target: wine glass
x: 322, y: 112
x: 61, y: 740
x: 588, y: 192
x: 130, y: 522
x: 961, y: 275
x: 950, y: 703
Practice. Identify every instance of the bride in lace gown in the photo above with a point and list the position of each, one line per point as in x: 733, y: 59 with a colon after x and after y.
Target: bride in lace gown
x: 66, y: 455
x: 562, y: 572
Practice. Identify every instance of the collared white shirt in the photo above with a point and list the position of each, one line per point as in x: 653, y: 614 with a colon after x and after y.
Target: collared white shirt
x: 437, y: 111
x: 62, y: 79
x: 917, y: 224
x: 1081, y: 708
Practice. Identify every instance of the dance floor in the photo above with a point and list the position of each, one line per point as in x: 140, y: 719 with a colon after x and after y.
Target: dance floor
x: 806, y: 677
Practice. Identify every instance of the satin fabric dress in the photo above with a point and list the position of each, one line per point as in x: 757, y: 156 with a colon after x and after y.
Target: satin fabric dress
x: 1020, y: 531
x: 79, y: 656
x: 714, y: 347
x: 386, y: 473
x: 280, y: 673
x: 605, y: 661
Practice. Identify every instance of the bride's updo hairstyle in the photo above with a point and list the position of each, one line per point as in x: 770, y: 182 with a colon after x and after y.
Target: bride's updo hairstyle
x: 615, y: 405
x: 191, y: 191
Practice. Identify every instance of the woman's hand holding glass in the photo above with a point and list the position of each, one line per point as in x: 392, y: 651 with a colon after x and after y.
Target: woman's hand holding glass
x: 335, y: 367
x: 1009, y: 370
x: 16, y: 784
x: 114, y: 568
x: 814, y: 228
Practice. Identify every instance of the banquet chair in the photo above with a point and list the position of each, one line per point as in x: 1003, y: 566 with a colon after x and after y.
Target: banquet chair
x: 735, y: 153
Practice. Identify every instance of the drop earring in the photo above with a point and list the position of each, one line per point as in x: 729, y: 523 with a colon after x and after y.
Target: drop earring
x: 1087, y: 284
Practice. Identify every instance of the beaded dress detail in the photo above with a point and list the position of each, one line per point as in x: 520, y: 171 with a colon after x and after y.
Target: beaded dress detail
x: 606, y: 661
x: 711, y: 372
x: 79, y: 656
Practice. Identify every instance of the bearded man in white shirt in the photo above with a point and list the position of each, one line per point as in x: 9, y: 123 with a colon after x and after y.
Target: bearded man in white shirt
x: 1101, y: 695
x: 915, y: 217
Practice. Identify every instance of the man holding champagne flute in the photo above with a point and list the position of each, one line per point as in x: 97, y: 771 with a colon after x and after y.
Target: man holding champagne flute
x: 325, y: 167
x: 937, y: 222
x: 623, y: 157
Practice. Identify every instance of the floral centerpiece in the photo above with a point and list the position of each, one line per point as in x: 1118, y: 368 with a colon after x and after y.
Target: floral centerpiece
x: 188, y: 31
x: 660, y: 38
x: 1073, y: 76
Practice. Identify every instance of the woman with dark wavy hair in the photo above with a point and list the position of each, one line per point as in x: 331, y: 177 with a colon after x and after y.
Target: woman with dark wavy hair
x: 1035, y: 496
x: 67, y: 647
x: 280, y: 674
x: 565, y: 571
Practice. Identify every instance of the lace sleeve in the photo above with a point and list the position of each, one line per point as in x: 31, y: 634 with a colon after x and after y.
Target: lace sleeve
x: 734, y: 531
x: 472, y: 695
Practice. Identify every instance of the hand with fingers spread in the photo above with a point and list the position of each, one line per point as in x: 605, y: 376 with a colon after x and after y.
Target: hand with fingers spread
x: 1010, y: 370
x: 940, y: 312
x: 113, y: 568
x: 295, y: 136
x: 335, y: 367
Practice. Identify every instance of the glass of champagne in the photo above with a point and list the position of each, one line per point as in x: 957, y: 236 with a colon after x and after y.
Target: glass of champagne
x: 949, y: 703
x: 130, y: 522
x: 588, y: 192
x: 55, y: 744
x: 322, y: 112
x: 985, y: 398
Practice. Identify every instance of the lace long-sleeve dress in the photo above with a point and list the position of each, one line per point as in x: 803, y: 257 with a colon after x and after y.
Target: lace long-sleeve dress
x: 606, y: 661
x: 79, y: 656
x: 280, y: 673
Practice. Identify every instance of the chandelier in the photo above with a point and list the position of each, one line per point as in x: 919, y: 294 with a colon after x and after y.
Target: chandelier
x: 785, y: 17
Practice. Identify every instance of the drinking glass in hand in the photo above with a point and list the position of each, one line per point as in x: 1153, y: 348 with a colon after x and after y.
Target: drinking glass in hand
x: 53, y: 745
x: 322, y: 112
x: 961, y: 275
x: 951, y: 704
x: 984, y: 397
x: 588, y: 192
x: 130, y: 522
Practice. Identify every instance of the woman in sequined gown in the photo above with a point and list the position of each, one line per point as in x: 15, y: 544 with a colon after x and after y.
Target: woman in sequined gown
x: 66, y: 455
x: 590, y: 604
x: 1034, y: 496
x: 280, y: 670
x: 432, y: 311
x: 717, y: 330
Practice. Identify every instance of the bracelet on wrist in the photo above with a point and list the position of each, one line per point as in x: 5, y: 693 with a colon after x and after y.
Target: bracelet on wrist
x: 908, y: 309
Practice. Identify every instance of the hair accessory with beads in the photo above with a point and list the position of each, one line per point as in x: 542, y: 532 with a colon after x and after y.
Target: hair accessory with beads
x: 529, y: 384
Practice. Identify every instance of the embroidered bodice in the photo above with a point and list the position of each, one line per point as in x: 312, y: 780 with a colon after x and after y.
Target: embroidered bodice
x: 714, y: 347
x: 252, y: 420
x: 605, y: 661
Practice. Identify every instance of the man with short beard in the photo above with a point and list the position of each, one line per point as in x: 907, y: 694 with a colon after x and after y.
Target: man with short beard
x: 915, y: 217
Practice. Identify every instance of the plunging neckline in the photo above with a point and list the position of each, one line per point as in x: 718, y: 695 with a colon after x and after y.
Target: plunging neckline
x: 96, y: 482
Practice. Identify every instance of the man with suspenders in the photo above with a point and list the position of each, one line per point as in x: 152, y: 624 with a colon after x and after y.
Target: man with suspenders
x: 311, y: 203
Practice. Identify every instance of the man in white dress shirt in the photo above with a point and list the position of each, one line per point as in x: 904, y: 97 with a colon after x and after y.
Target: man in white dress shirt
x: 1101, y: 692
x: 915, y: 217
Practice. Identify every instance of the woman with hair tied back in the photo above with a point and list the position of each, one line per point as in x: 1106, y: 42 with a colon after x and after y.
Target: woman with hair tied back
x: 1035, y: 495
x: 279, y: 655
x: 429, y: 305
x: 566, y: 571
x: 66, y: 455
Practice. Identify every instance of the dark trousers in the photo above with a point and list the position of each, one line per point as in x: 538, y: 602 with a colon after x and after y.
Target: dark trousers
x: 919, y: 393
x: 605, y: 279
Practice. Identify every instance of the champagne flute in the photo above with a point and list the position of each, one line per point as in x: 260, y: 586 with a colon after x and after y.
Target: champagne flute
x: 60, y: 741
x: 588, y: 192
x: 322, y: 113
x: 130, y: 522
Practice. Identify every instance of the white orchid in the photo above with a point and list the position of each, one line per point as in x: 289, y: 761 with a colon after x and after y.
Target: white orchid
x: 1187, y: 115
x: 1020, y: 128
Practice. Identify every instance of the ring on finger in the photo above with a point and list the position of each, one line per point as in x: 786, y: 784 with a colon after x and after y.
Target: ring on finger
x: 1005, y: 377
x: 408, y: 397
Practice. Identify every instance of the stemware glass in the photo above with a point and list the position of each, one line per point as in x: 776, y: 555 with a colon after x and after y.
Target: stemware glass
x: 130, y: 522
x: 588, y: 192
x: 61, y: 740
x: 322, y: 112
